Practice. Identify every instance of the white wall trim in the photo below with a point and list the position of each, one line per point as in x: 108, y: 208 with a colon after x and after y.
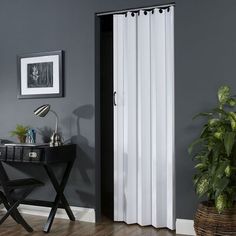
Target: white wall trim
x: 80, y: 213
x: 185, y: 227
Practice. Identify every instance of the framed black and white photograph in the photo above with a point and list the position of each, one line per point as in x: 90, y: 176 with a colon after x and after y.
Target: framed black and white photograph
x: 40, y: 75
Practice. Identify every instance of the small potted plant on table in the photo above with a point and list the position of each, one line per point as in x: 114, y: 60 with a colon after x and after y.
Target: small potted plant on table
x: 215, y: 179
x: 20, y: 132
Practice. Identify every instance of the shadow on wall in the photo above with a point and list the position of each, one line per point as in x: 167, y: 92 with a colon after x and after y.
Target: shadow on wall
x: 46, y: 133
x: 84, y: 163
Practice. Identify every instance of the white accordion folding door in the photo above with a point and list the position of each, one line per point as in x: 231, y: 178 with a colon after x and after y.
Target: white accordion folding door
x: 144, y: 186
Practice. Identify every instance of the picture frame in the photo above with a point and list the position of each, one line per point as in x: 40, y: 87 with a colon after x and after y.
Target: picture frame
x: 40, y: 75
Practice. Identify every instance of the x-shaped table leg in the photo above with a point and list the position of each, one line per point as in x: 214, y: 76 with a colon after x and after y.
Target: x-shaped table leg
x: 60, y: 197
x: 12, y: 210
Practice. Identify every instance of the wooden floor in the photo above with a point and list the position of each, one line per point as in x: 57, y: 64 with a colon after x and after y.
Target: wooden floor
x: 66, y: 228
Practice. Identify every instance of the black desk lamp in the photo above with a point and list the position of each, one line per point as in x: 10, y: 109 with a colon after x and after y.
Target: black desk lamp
x: 42, y: 111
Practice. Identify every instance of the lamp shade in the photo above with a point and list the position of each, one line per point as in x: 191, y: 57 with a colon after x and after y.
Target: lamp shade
x: 42, y: 110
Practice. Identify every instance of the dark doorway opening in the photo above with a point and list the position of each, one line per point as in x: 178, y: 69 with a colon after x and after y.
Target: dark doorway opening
x: 106, y: 116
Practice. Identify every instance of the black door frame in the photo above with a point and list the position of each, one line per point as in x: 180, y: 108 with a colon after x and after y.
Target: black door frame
x: 97, y: 121
x: 102, y: 160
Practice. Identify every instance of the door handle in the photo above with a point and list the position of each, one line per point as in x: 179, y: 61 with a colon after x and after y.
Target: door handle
x: 114, y: 98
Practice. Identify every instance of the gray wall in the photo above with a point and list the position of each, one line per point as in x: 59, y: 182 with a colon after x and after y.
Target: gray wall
x: 205, y: 42
x: 205, y: 46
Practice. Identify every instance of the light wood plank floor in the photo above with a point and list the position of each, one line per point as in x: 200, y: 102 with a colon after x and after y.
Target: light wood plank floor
x: 66, y: 228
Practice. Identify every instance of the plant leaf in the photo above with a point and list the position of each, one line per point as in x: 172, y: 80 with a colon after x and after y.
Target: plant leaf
x: 204, y: 131
x: 228, y: 171
x: 223, y: 94
x: 221, y: 202
x: 201, y: 166
x: 229, y: 142
x: 203, y: 114
x: 232, y: 118
x: 221, y: 184
x: 202, y: 186
x: 231, y: 102
x: 193, y: 144
x: 220, y: 171
x: 218, y: 135
x: 213, y: 122
x: 20, y: 130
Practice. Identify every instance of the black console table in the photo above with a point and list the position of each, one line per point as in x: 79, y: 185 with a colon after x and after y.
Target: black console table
x: 45, y: 156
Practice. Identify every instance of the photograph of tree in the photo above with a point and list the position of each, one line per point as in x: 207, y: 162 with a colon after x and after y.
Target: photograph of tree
x: 40, y: 75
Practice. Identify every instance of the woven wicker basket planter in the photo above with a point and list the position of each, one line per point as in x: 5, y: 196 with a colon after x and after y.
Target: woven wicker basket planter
x: 208, y: 222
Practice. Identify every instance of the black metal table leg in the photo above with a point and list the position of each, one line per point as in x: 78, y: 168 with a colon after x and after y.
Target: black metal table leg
x: 13, y: 211
x: 51, y: 216
x: 56, y: 185
x: 60, y: 197
x: 6, y: 205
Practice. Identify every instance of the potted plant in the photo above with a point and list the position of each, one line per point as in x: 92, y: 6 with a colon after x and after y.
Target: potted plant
x: 215, y: 178
x: 20, y: 132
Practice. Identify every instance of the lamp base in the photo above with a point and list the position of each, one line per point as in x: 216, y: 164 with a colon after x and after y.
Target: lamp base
x: 56, y: 140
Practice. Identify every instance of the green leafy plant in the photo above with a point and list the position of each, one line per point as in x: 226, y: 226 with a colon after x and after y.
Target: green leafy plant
x: 215, y: 153
x: 20, y: 131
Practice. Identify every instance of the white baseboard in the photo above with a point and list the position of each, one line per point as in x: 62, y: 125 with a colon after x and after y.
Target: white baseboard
x: 185, y: 227
x: 80, y: 213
